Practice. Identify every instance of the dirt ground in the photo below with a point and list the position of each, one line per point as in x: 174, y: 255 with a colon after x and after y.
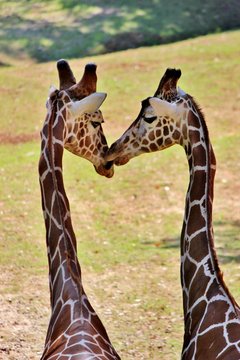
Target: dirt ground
x: 24, y: 316
x: 22, y: 319
x: 7, y: 138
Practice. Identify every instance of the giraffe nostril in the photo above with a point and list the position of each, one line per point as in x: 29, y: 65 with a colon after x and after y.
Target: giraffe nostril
x: 105, y: 170
x: 108, y: 165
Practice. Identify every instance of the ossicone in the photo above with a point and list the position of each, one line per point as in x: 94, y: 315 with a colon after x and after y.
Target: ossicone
x: 167, y: 87
x: 66, y: 77
x: 88, y: 83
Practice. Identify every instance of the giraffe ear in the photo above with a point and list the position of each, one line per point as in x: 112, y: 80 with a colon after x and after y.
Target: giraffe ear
x: 89, y: 104
x: 162, y: 107
x: 52, y: 90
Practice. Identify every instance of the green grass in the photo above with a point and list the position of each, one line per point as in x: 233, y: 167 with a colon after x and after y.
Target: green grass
x: 127, y: 227
x: 20, y: 207
x: 207, y: 62
x: 48, y: 30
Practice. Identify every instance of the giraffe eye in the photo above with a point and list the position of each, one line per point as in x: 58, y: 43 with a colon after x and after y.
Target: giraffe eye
x: 149, y: 120
x: 95, y: 124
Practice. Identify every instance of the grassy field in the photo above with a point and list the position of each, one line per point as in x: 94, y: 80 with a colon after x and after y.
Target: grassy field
x: 127, y: 227
x: 50, y: 29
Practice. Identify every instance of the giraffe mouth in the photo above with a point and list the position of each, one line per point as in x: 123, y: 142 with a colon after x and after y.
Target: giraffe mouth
x: 121, y: 160
x: 108, y: 165
x: 106, y: 170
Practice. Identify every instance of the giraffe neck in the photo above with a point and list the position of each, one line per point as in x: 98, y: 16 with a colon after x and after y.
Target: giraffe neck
x: 64, y: 271
x: 197, y: 249
x: 204, y: 290
x: 61, y: 241
x: 74, y: 327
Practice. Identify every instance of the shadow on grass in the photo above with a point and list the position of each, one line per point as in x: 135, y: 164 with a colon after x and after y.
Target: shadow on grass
x: 93, y: 27
x: 4, y: 64
x: 165, y: 243
x: 171, y: 243
x: 227, y: 241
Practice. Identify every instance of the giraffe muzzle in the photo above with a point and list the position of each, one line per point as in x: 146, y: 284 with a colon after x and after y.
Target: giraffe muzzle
x: 106, y: 170
x: 108, y: 165
x: 115, y: 154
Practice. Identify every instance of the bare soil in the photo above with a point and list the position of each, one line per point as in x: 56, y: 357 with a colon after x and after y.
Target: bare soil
x: 119, y: 297
x: 8, y: 138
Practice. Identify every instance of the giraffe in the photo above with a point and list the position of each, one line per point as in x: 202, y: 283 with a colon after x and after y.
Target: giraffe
x: 75, y: 331
x: 211, y: 315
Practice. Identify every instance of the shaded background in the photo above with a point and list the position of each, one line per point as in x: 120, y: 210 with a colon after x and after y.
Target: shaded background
x: 49, y: 30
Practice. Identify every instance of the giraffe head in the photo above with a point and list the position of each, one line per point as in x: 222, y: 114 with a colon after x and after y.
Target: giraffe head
x: 76, y: 116
x: 160, y: 123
